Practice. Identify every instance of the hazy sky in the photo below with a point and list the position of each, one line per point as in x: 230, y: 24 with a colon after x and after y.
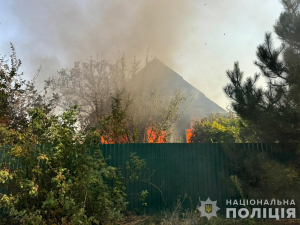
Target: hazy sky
x: 198, y: 39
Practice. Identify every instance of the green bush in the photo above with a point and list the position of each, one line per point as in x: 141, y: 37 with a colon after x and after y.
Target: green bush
x: 222, y: 128
x: 59, y: 181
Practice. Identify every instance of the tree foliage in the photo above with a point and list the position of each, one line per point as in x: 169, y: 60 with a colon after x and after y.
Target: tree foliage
x: 18, y: 96
x: 59, y: 181
x: 274, y: 111
x: 221, y: 128
x: 100, y: 90
x: 11, y: 84
x: 90, y: 85
x: 151, y: 112
x: 131, y: 123
x: 117, y: 127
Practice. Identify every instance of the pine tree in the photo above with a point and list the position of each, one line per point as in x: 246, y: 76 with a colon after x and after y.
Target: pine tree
x: 274, y: 111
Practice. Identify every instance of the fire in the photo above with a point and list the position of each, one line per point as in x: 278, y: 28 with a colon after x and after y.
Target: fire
x: 153, y: 136
x: 103, y: 141
x: 188, y: 135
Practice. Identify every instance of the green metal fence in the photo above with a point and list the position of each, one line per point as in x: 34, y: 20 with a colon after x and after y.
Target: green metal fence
x: 196, y: 170
x: 174, y: 170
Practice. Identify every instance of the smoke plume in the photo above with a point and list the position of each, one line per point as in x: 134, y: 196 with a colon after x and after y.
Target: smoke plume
x: 199, y: 39
x: 61, y: 32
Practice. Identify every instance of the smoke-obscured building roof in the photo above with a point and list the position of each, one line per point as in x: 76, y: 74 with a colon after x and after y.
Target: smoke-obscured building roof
x: 168, y: 81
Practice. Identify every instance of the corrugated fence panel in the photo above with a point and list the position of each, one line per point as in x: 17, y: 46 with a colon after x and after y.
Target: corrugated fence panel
x: 176, y: 170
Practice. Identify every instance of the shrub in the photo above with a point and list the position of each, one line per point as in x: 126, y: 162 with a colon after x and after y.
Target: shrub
x: 59, y: 182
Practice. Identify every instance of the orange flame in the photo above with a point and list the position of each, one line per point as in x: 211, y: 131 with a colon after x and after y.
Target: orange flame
x: 104, y: 141
x: 188, y: 133
x: 153, y: 136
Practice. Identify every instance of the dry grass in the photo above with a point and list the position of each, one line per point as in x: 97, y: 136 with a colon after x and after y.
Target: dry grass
x: 172, y: 219
x: 178, y: 216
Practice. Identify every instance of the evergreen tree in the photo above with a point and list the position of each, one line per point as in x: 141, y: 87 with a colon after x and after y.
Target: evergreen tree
x: 275, y: 111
